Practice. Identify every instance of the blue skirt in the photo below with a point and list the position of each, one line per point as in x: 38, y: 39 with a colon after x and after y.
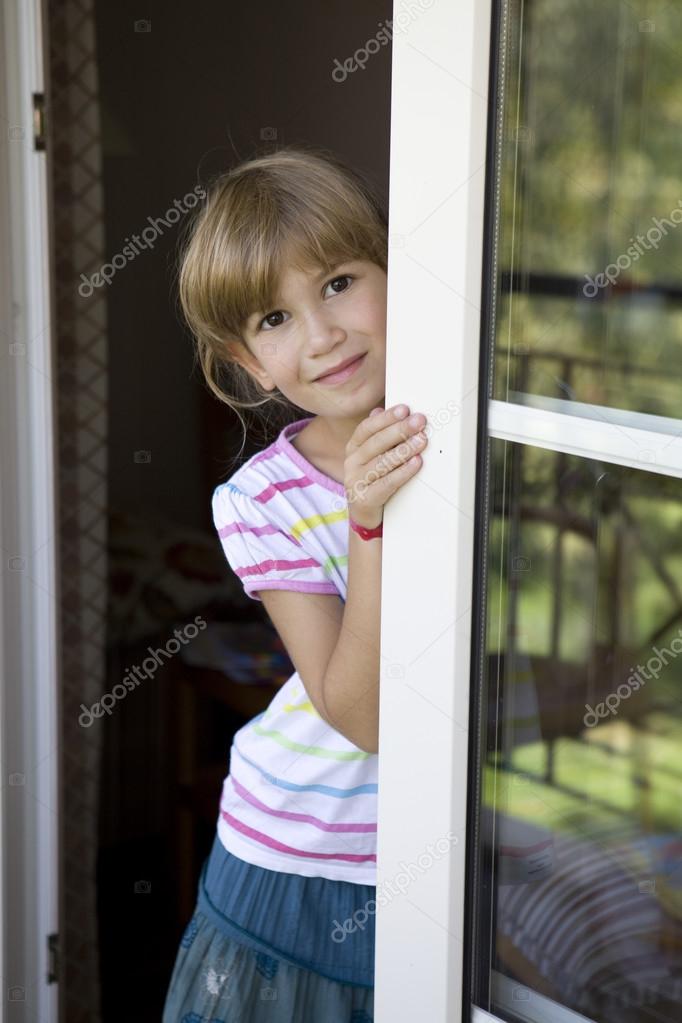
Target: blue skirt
x: 265, y: 945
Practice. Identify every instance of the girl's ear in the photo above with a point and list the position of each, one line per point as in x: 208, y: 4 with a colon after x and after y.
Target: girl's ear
x: 240, y: 354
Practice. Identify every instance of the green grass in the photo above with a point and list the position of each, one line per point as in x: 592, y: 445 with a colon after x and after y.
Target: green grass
x: 643, y: 785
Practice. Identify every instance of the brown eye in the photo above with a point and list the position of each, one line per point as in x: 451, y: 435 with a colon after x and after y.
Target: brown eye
x: 266, y: 319
x: 343, y: 277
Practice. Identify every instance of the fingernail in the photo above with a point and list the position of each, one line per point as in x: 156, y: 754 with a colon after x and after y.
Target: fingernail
x: 400, y: 411
x: 376, y: 411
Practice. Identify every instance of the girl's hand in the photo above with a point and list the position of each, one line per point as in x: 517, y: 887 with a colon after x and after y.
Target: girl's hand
x: 381, y: 455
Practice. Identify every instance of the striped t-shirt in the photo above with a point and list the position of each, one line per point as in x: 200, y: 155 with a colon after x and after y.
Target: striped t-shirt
x: 300, y: 797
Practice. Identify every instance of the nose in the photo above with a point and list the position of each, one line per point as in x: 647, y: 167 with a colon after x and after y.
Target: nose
x: 322, y: 332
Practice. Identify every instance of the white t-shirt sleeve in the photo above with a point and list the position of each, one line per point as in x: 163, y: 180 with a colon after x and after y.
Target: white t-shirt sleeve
x: 262, y: 552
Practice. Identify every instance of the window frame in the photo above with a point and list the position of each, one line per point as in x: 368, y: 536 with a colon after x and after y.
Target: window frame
x: 439, y: 144
x: 444, y: 69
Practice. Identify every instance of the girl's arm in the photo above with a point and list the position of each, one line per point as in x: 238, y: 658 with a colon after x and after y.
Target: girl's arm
x: 336, y: 648
x: 350, y: 687
x: 318, y: 634
x: 381, y: 456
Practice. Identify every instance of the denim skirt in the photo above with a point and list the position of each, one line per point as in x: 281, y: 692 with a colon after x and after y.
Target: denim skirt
x: 265, y: 946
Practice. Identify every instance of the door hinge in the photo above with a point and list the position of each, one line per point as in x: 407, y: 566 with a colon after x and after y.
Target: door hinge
x: 39, y: 121
x: 52, y: 958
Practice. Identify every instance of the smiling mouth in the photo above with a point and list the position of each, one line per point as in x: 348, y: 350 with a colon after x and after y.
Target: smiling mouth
x: 343, y: 372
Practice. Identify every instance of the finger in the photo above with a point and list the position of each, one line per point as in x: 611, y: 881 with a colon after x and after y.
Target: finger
x: 382, y: 467
x: 372, y: 424
x: 379, y: 490
x: 402, y: 452
x: 392, y: 436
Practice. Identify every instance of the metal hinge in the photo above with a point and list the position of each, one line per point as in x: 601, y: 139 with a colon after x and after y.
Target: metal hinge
x: 39, y: 120
x: 52, y: 958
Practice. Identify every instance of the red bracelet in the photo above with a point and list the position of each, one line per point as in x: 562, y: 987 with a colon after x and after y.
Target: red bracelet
x: 364, y: 532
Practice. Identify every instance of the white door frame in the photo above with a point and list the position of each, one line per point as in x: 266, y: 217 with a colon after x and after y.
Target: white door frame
x: 28, y: 520
x: 439, y: 124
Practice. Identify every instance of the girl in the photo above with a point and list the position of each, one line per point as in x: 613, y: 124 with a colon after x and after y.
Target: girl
x: 283, y: 283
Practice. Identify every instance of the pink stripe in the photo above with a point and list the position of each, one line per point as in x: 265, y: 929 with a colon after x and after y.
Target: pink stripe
x: 279, y: 565
x: 281, y: 485
x: 265, y: 455
x: 243, y: 527
x: 258, y: 836
x: 287, y: 815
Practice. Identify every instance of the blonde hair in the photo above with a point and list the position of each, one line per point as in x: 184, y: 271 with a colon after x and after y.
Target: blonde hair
x: 300, y: 207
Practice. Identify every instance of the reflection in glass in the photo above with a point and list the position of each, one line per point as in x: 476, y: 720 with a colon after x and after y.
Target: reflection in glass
x: 589, y: 257
x: 580, y: 850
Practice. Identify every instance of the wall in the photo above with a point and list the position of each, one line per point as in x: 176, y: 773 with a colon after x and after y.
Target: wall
x: 179, y: 103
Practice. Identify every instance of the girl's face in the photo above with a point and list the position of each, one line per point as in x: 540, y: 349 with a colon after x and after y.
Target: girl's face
x: 322, y: 320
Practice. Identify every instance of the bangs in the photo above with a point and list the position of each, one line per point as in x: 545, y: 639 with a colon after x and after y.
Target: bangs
x: 307, y: 246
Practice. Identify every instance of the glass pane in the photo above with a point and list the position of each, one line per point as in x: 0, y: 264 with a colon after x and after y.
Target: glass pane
x: 589, y: 255
x: 579, y: 860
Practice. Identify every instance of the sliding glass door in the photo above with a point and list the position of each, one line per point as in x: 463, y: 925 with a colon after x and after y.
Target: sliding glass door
x: 575, y: 829
x: 530, y: 809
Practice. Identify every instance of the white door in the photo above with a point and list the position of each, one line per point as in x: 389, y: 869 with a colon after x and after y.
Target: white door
x: 28, y: 591
x: 530, y: 831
